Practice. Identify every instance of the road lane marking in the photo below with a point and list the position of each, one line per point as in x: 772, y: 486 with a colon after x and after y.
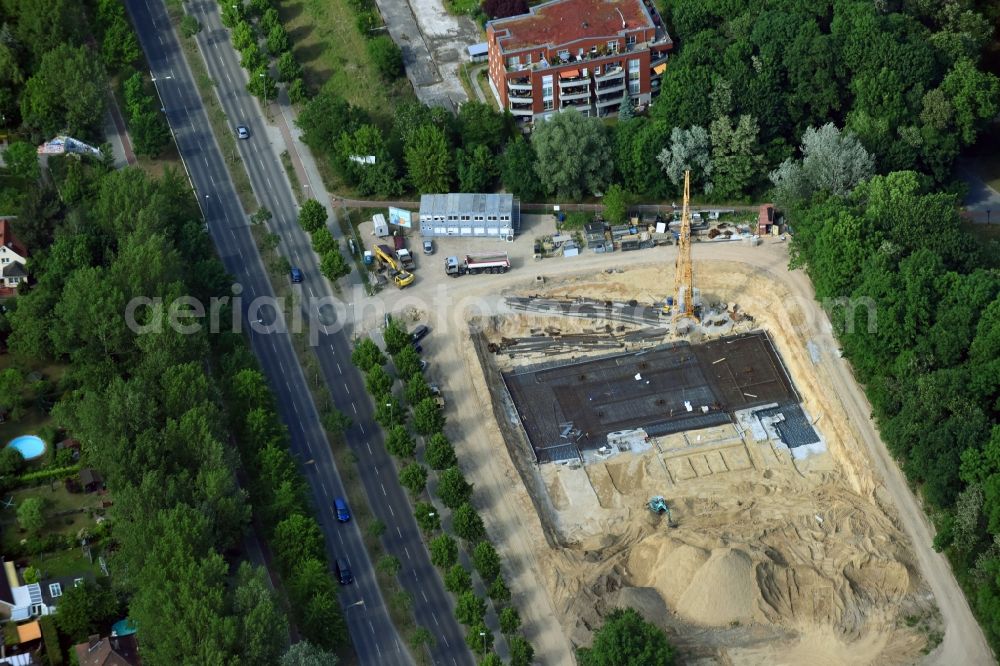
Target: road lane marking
x: 436, y: 623
x: 372, y: 626
x: 361, y: 425
x: 354, y: 407
x: 407, y: 551
x: 383, y: 488
x: 391, y: 510
x: 338, y: 367
x: 347, y: 388
x: 323, y: 484
x: 370, y: 451
x: 424, y: 595
x: 399, y: 532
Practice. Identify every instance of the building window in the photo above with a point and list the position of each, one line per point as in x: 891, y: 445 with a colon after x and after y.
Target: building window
x: 514, y: 61
x: 630, y: 40
x: 633, y: 68
x: 547, y: 104
x: 547, y: 86
x: 5, y: 260
x: 613, y: 46
x: 36, y: 610
x: 564, y: 56
x: 633, y: 87
x: 55, y: 590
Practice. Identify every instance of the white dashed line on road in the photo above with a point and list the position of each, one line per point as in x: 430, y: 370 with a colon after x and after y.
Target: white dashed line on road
x: 383, y: 488
x: 424, y: 595
x: 370, y: 451
x: 354, y: 407
x: 391, y: 511
x: 399, y: 532
x: 339, y: 370
x: 407, y: 551
x: 436, y: 623
x: 347, y: 388
x: 363, y: 432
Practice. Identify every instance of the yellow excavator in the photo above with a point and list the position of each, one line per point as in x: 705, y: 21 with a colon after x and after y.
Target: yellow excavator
x: 387, y: 257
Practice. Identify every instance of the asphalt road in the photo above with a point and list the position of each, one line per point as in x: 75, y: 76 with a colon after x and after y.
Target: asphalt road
x: 375, y: 638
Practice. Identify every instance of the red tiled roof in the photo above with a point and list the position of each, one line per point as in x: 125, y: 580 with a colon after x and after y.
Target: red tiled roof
x: 566, y: 21
x: 7, y: 238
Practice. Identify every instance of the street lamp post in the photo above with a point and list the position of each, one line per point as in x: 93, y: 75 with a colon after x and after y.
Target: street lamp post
x: 483, y: 635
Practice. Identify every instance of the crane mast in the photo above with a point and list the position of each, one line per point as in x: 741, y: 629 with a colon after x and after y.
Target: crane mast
x: 683, y: 277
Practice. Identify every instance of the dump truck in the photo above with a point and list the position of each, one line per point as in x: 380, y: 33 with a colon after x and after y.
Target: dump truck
x: 477, y: 263
x: 397, y: 273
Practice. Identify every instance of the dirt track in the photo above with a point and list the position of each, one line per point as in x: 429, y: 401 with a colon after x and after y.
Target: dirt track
x: 512, y: 520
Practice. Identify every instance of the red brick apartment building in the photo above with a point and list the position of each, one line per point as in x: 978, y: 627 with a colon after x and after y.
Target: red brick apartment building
x: 579, y: 54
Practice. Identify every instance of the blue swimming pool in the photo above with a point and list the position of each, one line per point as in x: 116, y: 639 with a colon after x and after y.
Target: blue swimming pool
x: 123, y: 628
x: 29, y: 446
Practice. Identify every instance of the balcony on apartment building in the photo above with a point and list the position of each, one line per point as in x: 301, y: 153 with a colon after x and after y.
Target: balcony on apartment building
x: 520, y: 108
x: 609, y: 74
x: 575, y: 93
x: 611, y: 88
x: 610, y: 100
x: 580, y: 105
x: 520, y: 84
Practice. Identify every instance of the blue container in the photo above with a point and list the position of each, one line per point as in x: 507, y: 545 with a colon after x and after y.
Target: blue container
x: 670, y: 300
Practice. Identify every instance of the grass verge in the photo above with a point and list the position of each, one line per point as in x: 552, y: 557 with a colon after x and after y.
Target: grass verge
x: 216, y: 116
x: 348, y: 222
x: 293, y: 178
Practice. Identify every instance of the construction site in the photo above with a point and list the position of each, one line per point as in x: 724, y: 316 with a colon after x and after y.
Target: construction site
x: 671, y: 437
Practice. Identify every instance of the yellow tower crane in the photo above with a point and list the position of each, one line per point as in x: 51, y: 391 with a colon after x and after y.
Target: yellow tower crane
x: 684, y: 278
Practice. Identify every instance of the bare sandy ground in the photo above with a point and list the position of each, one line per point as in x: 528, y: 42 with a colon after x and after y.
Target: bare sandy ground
x: 773, y: 561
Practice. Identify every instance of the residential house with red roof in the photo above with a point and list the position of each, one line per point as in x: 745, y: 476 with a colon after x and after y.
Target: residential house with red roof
x: 586, y: 55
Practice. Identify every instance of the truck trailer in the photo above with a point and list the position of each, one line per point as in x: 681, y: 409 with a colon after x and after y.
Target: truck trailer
x: 477, y: 263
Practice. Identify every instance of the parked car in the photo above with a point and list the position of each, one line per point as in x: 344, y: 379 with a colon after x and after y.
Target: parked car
x: 428, y: 247
x: 296, y: 275
x: 423, y: 365
x: 419, y: 333
x: 344, y: 575
x: 417, y: 348
x: 243, y: 132
x: 340, y: 506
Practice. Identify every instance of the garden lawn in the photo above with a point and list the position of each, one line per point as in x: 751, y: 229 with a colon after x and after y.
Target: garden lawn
x: 57, y: 499
x: 69, y: 562
x: 326, y: 42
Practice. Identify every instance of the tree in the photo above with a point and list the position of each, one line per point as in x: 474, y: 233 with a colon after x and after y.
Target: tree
x: 452, y: 488
x: 389, y: 565
x: 476, y: 168
x: 422, y: 636
x: 251, y: 57
x: 491, y: 660
x: 297, y: 91
x: 12, y: 386
x: 190, y: 26
x: 626, y: 111
x: 975, y: 96
x: 386, y: 56
x: 243, y: 35
x: 364, y: 157
x: 470, y: 609
x: 399, y: 443
x: 479, y: 124
x: 305, y: 653
x: 150, y: 132
x: 832, y: 161
x: 486, y: 560
x: 407, y: 363
x: 503, y: 8
x: 82, y: 608
x: 735, y: 160
x: 429, y: 160
x: 616, y: 202
x: 389, y: 413
x: 262, y: 628
x: 521, y: 652
x: 416, y: 388
x: 413, y: 477
x: 324, y: 119
x: 262, y: 85
x: 366, y: 355
x: 467, y: 523
x: 499, y: 592
x: 427, y: 517
x: 517, y: 169
x: 510, y: 621
x: 444, y: 551
x: 31, y: 514
x: 277, y: 40
x: 377, y: 381
x: 479, y: 638
x: 560, y: 142
x: 439, y: 452
x: 689, y: 149
x: 66, y: 92
x: 289, y: 68
x: 11, y: 462
x: 312, y: 216
x: 427, y: 417
x: 119, y: 46
x: 626, y: 639
x: 396, y: 337
x: 21, y: 159
x: 457, y: 580
x: 297, y: 538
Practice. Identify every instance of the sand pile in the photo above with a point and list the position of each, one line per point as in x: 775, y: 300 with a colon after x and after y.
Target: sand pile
x: 722, y: 591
